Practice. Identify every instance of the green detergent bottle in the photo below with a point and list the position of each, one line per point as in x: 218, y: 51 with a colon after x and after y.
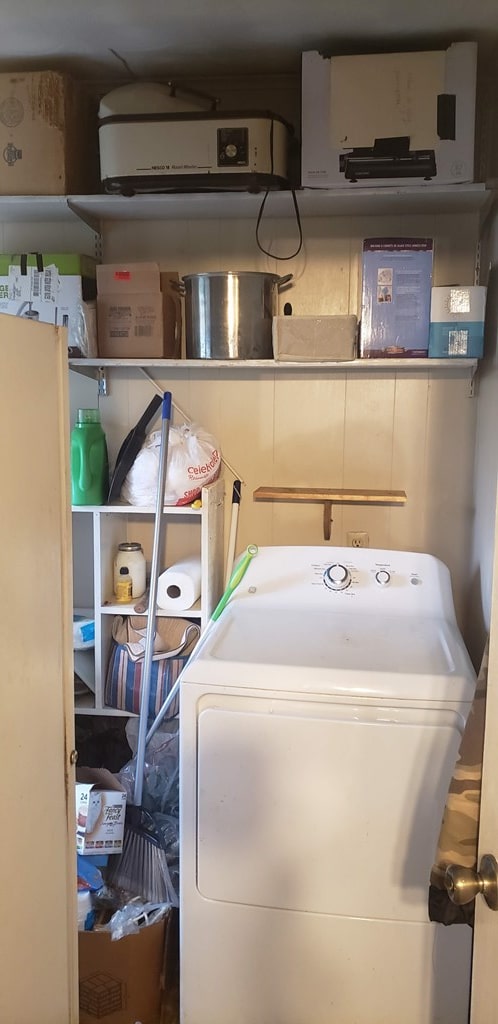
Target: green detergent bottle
x: 89, y: 461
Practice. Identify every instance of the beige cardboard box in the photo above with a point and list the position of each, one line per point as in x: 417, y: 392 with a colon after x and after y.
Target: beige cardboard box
x: 122, y: 981
x: 100, y: 811
x: 138, y: 312
x: 48, y: 135
x: 314, y: 338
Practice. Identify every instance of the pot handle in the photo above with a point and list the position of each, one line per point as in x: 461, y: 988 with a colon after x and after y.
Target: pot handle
x: 282, y: 281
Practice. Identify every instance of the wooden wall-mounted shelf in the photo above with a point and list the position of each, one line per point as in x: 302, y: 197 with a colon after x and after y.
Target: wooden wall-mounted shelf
x: 327, y: 497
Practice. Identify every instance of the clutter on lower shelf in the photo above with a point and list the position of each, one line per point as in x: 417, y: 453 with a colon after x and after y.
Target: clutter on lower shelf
x: 125, y: 939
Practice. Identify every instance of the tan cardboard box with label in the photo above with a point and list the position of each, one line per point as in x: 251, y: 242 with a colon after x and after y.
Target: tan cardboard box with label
x: 138, y: 312
x: 48, y: 135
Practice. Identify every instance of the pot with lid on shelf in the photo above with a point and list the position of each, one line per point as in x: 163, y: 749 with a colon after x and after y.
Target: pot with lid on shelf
x: 228, y: 315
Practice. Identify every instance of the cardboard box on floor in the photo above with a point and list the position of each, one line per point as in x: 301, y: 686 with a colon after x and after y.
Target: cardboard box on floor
x: 48, y: 135
x: 123, y: 981
x: 138, y: 312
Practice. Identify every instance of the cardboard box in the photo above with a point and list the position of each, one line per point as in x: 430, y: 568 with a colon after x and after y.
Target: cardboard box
x: 48, y: 135
x: 457, y: 322
x: 122, y: 982
x: 138, y: 312
x: 100, y: 811
x: 46, y: 286
x: 366, y: 118
x: 396, y: 297
x: 50, y: 288
x: 314, y: 338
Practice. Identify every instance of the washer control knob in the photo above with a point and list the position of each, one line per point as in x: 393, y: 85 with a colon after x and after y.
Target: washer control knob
x: 383, y: 577
x: 337, y: 577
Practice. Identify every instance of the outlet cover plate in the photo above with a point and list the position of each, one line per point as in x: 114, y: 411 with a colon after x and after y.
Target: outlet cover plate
x: 357, y: 539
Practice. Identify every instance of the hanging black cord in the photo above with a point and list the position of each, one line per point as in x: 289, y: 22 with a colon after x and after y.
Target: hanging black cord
x: 299, y: 228
x: 260, y: 214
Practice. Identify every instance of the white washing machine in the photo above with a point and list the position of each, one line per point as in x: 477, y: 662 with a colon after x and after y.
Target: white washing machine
x: 321, y: 717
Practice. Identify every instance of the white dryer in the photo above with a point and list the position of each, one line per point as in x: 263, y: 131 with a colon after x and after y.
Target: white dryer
x: 321, y: 717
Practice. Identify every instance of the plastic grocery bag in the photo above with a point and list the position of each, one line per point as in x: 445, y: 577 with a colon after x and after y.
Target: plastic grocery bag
x: 193, y: 460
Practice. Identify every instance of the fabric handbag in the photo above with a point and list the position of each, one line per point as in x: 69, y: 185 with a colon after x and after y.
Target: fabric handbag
x: 174, y: 642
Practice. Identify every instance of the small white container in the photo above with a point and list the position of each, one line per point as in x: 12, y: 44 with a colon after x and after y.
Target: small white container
x: 131, y: 557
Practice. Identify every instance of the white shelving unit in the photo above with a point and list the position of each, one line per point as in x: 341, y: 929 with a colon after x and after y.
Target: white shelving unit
x: 92, y: 366
x: 118, y: 522
x: 100, y: 214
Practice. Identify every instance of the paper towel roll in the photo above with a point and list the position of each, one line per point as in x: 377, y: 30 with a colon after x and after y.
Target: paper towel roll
x: 179, y: 586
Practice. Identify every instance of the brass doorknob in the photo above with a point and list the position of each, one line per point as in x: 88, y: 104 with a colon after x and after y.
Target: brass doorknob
x: 464, y: 884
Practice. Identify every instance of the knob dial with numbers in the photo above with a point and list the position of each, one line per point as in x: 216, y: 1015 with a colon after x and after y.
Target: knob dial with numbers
x: 337, y: 577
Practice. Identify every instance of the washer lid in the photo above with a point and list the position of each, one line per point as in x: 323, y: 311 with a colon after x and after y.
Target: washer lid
x: 314, y: 651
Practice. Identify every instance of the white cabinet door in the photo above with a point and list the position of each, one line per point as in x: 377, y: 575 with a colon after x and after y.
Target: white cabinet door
x: 484, y: 1001
x: 38, y: 931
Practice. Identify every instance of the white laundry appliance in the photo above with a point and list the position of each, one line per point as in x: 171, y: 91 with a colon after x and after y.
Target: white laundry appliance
x: 321, y: 717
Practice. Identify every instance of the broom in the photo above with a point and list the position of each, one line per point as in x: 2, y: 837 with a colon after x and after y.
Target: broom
x: 142, y: 868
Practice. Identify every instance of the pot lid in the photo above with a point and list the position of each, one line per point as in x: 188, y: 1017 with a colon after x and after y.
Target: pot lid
x: 144, y: 98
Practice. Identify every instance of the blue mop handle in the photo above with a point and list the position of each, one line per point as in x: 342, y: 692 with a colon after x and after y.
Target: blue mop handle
x: 151, y: 616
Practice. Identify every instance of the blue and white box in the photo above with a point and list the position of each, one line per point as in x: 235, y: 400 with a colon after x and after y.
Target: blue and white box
x: 396, y: 298
x: 457, y: 322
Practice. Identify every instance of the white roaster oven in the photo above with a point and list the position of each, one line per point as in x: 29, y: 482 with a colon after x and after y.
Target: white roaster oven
x: 151, y: 140
x: 321, y: 717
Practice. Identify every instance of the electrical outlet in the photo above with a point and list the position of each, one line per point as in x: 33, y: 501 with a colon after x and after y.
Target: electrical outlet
x: 357, y: 539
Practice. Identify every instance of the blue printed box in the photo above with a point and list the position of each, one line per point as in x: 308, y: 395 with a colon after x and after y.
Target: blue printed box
x: 396, y: 298
x: 457, y: 322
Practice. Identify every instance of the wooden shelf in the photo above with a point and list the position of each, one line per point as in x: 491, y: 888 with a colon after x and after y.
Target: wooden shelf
x: 328, y: 496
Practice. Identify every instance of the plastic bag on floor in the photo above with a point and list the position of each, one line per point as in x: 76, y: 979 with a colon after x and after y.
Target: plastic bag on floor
x: 134, y: 916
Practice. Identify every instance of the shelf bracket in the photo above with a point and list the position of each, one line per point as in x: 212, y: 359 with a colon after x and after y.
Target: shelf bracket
x: 329, y: 496
x: 94, y: 223
x: 102, y: 387
x: 472, y: 382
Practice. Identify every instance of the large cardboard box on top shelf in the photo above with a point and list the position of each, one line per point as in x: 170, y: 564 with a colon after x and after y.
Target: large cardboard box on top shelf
x: 138, y: 312
x: 360, y: 111
x: 48, y: 135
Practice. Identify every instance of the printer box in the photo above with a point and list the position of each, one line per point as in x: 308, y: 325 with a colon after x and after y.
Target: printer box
x: 138, y: 312
x: 388, y: 119
x: 100, y: 811
x: 457, y: 322
x: 396, y: 298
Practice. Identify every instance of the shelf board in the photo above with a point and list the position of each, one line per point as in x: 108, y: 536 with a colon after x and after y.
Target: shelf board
x: 351, y: 201
x: 139, y: 510
x: 86, y: 706
x: 91, y: 366
x: 128, y: 609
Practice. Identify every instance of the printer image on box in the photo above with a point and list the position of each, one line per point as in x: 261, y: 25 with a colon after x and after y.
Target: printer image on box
x: 396, y: 297
x: 388, y: 118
